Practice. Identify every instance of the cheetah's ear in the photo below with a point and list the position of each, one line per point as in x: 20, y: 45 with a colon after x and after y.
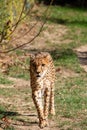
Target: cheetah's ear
x: 32, y: 56
x: 48, y: 56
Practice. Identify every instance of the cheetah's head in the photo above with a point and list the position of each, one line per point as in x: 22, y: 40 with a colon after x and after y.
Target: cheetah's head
x: 39, y: 63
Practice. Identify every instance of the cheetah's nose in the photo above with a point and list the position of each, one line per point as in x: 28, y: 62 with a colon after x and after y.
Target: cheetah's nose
x: 37, y: 72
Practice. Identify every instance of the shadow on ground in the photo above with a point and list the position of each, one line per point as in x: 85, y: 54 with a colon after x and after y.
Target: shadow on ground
x: 8, y: 113
x: 10, y: 120
x: 56, y: 53
x: 82, y: 56
x: 65, y: 53
x: 67, y: 22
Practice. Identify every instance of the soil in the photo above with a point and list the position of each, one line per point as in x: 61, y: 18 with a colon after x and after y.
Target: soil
x: 82, y: 55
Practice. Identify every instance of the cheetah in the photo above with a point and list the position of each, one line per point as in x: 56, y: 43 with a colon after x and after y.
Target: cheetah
x: 42, y: 79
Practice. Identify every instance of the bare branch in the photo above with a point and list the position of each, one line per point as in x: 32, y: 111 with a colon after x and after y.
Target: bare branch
x: 26, y: 42
x: 25, y: 32
x: 41, y: 28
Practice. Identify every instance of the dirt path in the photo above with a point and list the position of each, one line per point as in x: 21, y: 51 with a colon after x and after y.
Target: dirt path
x: 21, y: 111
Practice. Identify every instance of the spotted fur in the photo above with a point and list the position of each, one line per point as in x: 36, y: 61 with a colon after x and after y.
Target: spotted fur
x: 42, y: 74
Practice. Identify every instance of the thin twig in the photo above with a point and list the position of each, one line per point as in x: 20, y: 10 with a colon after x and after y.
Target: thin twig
x: 13, y: 49
x: 25, y: 32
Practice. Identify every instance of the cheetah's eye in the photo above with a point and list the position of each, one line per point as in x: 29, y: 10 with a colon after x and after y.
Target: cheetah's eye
x: 43, y: 64
x: 34, y: 65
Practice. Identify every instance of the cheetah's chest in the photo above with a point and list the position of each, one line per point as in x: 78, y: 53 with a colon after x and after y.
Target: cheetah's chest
x: 45, y: 83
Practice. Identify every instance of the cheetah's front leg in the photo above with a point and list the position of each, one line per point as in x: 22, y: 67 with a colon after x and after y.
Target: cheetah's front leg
x: 46, y: 105
x: 37, y: 98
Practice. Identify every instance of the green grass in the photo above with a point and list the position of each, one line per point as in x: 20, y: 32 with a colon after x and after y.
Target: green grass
x: 69, y: 16
x: 1, y: 110
x: 71, y: 102
x: 18, y: 72
x: 74, y: 19
x: 66, y: 58
x: 8, y: 92
x: 4, y: 80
